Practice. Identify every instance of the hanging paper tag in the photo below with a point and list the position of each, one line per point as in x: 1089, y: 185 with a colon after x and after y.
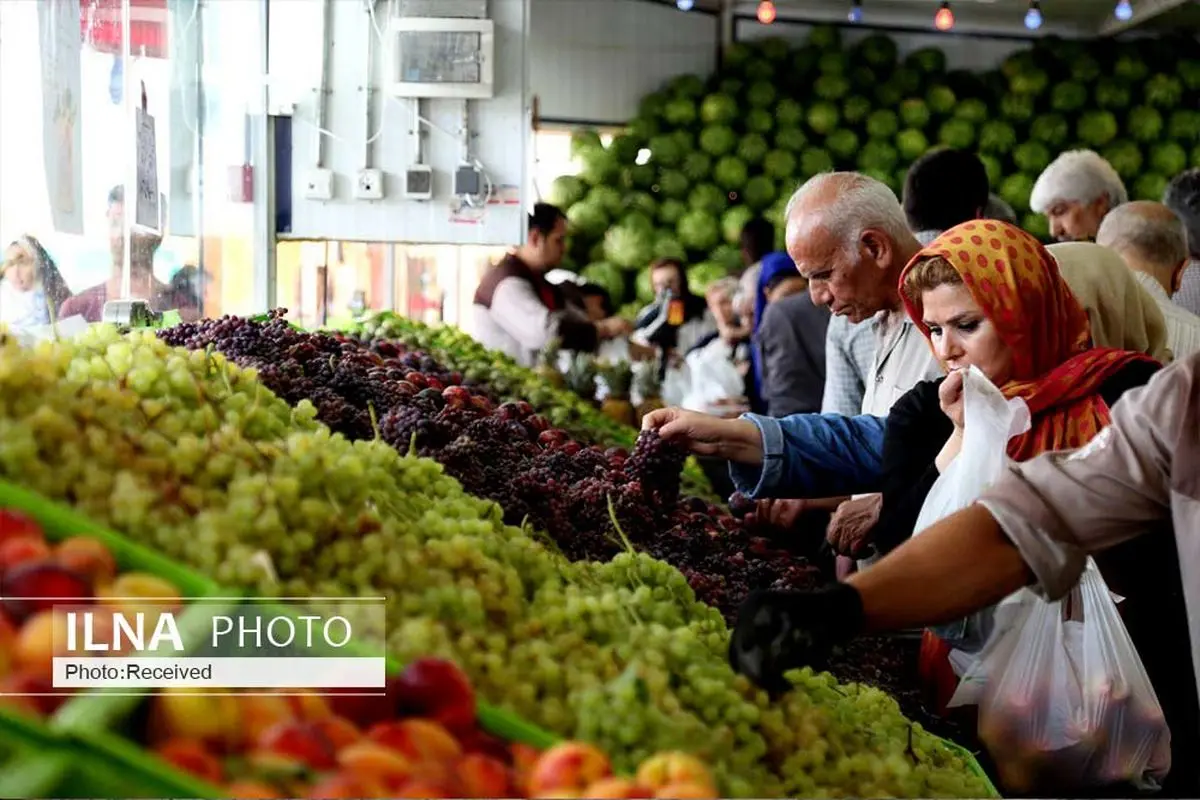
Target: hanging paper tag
x: 147, y: 215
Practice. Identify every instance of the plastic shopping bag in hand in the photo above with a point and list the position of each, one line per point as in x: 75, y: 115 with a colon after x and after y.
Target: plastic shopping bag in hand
x: 1068, y: 704
x: 989, y: 420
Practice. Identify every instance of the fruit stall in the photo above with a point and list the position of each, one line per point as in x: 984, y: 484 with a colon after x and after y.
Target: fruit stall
x: 557, y: 605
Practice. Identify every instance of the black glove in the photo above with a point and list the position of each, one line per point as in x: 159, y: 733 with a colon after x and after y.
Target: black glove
x: 778, y: 631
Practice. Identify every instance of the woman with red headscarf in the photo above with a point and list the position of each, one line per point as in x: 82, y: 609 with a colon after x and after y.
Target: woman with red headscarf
x: 989, y: 295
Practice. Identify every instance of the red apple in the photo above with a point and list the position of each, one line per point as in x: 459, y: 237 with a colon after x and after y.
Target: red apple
x: 14, y: 524
x: 30, y: 691
x: 362, y: 710
x: 25, y: 583
x: 22, y: 550
x: 437, y: 689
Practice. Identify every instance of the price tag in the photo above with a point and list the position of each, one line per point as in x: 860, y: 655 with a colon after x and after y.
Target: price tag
x: 147, y: 214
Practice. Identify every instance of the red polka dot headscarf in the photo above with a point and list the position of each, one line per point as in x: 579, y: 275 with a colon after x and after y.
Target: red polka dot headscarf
x: 1016, y: 283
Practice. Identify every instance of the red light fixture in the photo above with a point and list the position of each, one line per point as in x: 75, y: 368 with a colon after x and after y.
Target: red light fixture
x: 943, y: 20
x: 766, y: 12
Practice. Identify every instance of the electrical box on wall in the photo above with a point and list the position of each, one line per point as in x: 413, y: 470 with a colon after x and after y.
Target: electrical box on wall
x: 418, y: 182
x: 442, y: 57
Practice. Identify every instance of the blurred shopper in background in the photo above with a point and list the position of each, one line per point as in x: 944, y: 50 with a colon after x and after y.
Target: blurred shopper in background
x: 519, y: 312
x: 943, y: 188
x: 1183, y: 197
x: 791, y: 347
x: 757, y: 240
x: 1153, y: 242
x: 31, y: 288
x: 89, y: 303
x: 1075, y: 192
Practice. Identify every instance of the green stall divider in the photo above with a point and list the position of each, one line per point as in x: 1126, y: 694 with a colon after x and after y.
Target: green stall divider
x: 60, y: 521
x: 973, y: 765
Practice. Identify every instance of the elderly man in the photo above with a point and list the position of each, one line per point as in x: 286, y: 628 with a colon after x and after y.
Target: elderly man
x: 1075, y: 192
x: 1153, y: 242
x: 1183, y: 197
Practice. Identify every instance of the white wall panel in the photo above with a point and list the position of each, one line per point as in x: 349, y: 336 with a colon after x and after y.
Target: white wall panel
x: 500, y: 129
x: 593, y: 60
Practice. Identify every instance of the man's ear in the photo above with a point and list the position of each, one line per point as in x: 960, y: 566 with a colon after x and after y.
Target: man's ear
x: 1177, y: 276
x: 878, y: 247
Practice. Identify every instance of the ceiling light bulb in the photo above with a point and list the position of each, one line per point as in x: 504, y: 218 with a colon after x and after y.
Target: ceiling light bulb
x: 1123, y: 11
x: 856, y: 14
x: 943, y: 20
x: 685, y: 5
x: 766, y: 12
x: 1033, y: 17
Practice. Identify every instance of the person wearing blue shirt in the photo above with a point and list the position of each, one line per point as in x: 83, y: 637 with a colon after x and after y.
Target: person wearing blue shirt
x: 798, y: 456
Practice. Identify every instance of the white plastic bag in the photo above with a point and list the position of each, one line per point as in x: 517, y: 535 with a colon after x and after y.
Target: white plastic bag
x: 1067, y: 703
x: 990, y: 420
x: 712, y: 377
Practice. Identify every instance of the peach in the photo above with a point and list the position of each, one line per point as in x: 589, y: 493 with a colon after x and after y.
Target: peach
x: 686, y: 791
x: 340, y: 732
x: 248, y: 789
x: 422, y: 788
x: 418, y: 739
x: 258, y: 712
x: 8, y: 643
x: 301, y: 741
x: 87, y: 556
x: 376, y: 762
x: 39, y: 640
x: 193, y: 757
x: 571, y: 766
x: 21, y: 550
x: 30, y: 692
x: 15, y: 524
x: 134, y: 592
x: 309, y: 705
x: 670, y: 768
x: 36, y: 586
x: 483, y: 776
x: 616, y: 789
x: 438, y: 690
x: 524, y: 759
x: 340, y: 785
x: 183, y: 713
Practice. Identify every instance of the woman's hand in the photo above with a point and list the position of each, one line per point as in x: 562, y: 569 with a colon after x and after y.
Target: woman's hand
x: 776, y: 513
x: 850, y: 527
x: 950, y: 395
x: 732, y: 439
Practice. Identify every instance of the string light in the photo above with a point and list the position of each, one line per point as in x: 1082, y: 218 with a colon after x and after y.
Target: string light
x: 766, y: 12
x: 855, y: 14
x: 1033, y: 17
x: 1123, y: 11
x: 943, y: 20
x: 685, y: 5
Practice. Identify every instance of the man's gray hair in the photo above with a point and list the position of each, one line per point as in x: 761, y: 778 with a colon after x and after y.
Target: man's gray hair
x: 725, y: 286
x: 1080, y: 176
x: 857, y: 202
x: 1151, y: 231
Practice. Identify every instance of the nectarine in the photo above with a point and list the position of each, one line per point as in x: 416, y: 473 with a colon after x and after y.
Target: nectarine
x: 483, y: 776
x: 183, y: 713
x: 373, y: 760
x: 418, y: 739
x: 340, y: 732
x: 89, y: 557
x: 615, y: 789
x: 301, y: 741
x: 258, y: 712
x: 686, y: 791
x: 341, y: 786
x: 570, y: 766
x: 29, y: 691
x: 193, y: 757
x: 252, y: 790
x: 420, y: 788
